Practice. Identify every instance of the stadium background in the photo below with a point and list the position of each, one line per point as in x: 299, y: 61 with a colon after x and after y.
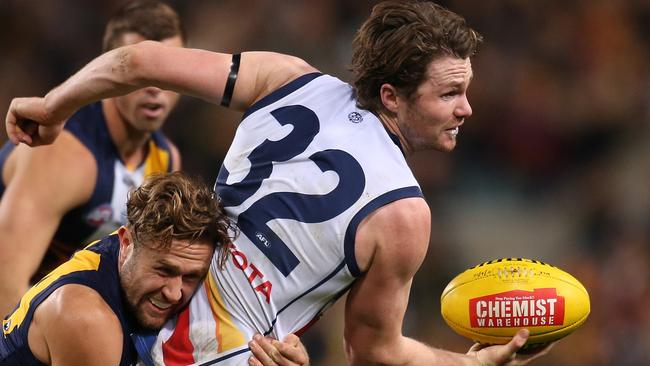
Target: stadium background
x: 554, y: 164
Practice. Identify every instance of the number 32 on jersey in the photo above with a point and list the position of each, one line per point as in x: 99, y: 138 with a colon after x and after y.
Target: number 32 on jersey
x: 306, y: 208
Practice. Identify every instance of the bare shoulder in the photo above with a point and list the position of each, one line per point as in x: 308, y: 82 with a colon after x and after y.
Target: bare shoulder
x: 396, y: 231
x: 64, y: 172
x: 70, y: 319
x: 74, y: 308
x: 289, y: 66
x: 405, y: 214
x: 276, y: 69
x: 65, y: 154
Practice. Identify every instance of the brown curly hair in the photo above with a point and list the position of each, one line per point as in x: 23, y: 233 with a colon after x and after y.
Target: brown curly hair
x: 173, y: 206
x: 398, y: 41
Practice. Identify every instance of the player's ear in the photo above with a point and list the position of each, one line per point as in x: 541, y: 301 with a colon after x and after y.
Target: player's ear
x: 389, y: 97
x: 126, y: 243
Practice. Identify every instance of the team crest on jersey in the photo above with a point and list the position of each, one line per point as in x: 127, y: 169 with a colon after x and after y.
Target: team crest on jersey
x: 6, y: 326
x: 355, y: 117
x: 100, y: 215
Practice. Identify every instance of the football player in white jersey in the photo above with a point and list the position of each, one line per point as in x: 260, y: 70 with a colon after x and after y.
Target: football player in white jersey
x: 315, y: 178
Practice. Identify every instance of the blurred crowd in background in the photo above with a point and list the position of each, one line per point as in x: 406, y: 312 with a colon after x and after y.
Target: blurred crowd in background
x: 554, y: 165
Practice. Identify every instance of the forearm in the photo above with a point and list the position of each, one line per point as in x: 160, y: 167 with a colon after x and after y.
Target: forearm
x: 15, y: 269
x: 20, y: 256
x: 10, y: 291
x: 23, y: 243
x: 406, y: 352
x: 421, y: 354
x: 111, y: 74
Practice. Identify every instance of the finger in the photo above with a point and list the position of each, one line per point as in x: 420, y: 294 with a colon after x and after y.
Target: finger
x: 13, y: 131
x: 23, y: 122
x: 291, y: 339
x: 252, y: 361
x: 501, y: 354
x: 534, y: 353
x: 271, y: 350
x: 295, y: 350
x: 292, y: 352
x: 517, y: 341
x: 28, y: 126
x: 29, y: 118
x: 29, y: 130
x: 476, y: 347
x: 260, y: 354
x: 47, y: 134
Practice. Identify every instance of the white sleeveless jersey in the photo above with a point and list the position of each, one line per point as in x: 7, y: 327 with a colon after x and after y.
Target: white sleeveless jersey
x: 305, y: 168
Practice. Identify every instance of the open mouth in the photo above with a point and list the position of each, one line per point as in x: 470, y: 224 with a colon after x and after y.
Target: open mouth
x: 160, y: 305
x: 453, y: 131
x: 152, y: 110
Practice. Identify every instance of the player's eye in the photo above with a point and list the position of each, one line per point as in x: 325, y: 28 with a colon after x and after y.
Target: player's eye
x: 190, y: 279
x: 164, y: 271
x: 193, y: 277
x: 449, y: 95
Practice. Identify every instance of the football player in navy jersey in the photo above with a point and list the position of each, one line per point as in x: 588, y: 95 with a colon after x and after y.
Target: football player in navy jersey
x: 325, y: 207
x: 106, y: 150
x: 83, y: 312
x: 86, y: 310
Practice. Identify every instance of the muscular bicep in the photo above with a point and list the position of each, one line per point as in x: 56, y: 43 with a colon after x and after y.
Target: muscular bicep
x: 75, y: 326
x: 375, y: 308
x: 193, y: 72
x: 203, y: 74
x: 46, y: 182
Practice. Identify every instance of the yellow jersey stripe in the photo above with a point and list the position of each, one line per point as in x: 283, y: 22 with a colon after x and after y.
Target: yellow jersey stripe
x: 226, y: 333
x: 82, y: 260
x: 157, y: 160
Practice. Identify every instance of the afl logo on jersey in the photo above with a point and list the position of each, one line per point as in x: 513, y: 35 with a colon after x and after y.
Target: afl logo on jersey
x: 100, y: 215
x: 263, y: 240
x: 6, y: 326
x: 355, y: 117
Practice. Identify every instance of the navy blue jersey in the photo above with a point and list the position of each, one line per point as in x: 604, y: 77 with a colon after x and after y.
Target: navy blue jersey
x: 95, y: 267
x: 105, y: 211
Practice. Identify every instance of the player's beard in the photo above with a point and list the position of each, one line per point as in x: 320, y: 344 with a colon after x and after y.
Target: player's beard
x: 133, y: 299
x: 433, y: 136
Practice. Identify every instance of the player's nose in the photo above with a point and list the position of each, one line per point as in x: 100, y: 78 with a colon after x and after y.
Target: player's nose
x: 152, y: 90
x: 463, y: 108
x: 173, y: 289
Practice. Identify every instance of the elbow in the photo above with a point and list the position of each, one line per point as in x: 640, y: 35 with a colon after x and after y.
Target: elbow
x: 130, y: 63
x: 124, y: 64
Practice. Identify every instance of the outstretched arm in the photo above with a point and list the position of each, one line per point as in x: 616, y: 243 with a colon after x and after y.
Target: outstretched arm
x: 199, y: 73
x: 41, y: 186
x: 390, y: 245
